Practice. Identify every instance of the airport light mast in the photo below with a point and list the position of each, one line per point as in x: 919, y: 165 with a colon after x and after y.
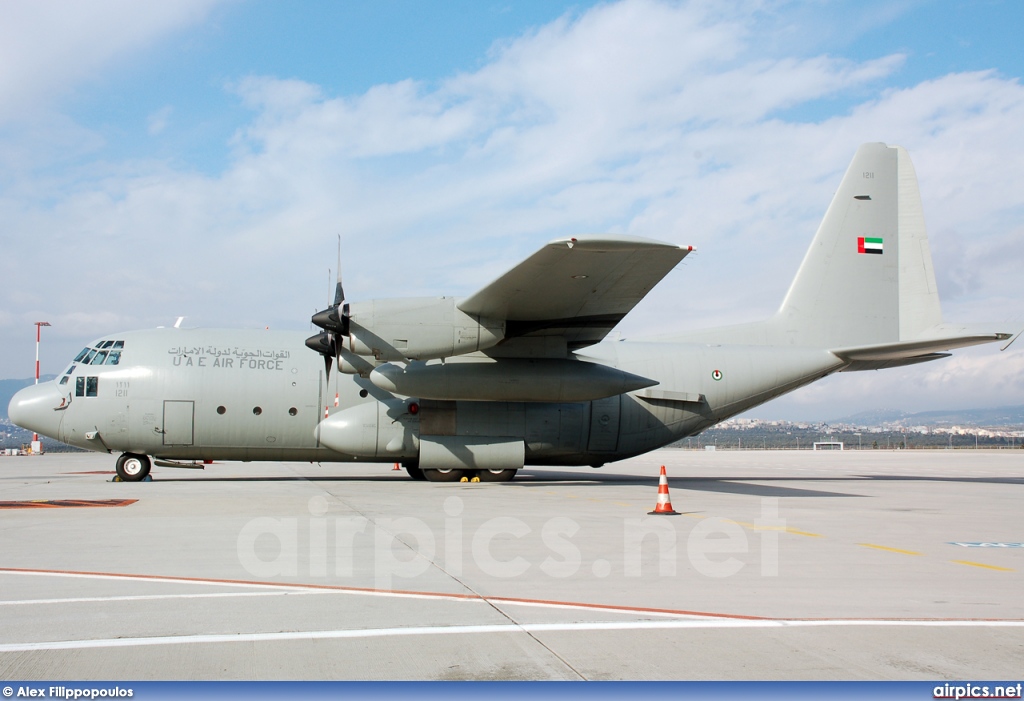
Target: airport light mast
x: 39, y: 329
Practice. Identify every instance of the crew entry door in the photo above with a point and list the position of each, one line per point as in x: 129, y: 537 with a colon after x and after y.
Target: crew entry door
x: 178, y: 421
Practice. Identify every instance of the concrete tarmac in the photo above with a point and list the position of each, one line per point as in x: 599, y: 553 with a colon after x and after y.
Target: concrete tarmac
x: 781, y: 565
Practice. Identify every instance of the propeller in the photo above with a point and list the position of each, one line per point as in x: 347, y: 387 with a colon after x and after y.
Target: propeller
x: 334, y: 321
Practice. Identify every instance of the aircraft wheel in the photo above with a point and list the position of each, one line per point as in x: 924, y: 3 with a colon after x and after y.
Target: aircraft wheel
x: 449, y: 475
x: 132, y: 467
x: 415, y: 472
x: 497, y: 475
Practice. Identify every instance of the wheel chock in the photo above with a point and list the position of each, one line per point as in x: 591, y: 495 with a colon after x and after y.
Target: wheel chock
x: 147, y: 478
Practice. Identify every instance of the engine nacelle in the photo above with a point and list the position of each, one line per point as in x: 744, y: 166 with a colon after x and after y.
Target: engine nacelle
x: 419, y: 328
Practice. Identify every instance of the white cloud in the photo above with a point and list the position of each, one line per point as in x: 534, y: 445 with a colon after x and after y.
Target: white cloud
x: 157, y: 122
x: 654, y: 118
x: 974, y: 378
x: 48, y: 46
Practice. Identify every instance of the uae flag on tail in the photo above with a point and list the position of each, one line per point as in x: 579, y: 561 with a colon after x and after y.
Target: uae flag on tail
x: 866, y: 244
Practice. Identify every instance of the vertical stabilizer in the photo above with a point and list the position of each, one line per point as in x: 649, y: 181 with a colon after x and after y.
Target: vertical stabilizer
x: 919, y: 297
x: 867, y: 278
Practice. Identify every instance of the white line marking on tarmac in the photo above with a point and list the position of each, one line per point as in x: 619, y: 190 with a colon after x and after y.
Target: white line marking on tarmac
x: 476, y: 629
x: 157, y: 597
x: 323, y: 589
x: 309, y: 592
x: 251, y: 585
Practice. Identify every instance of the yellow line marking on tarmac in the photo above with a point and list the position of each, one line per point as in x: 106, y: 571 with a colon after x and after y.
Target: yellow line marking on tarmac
x: 987, y: 567
x: 755, y: 527
x: 887, y: 549
x: 782, y: 529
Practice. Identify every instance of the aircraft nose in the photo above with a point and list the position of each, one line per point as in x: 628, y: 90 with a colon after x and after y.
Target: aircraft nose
x: 33, y: 408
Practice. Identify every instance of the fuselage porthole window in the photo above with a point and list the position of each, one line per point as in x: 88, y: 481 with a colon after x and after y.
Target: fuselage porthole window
x: 91, y: 386
x: 257, y: 410
x: 293, y: 411
x: 79, y: 386
x: 221, y: 410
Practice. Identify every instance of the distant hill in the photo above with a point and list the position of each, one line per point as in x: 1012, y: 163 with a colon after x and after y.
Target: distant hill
x: 8, y: 388
x: 999, y: 416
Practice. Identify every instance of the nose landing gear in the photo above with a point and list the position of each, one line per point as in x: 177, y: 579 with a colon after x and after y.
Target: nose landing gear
x: 132, y: 467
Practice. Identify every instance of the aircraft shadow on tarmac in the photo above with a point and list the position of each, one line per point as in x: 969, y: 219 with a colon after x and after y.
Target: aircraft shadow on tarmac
x: 739, y: 485
x: 549, y: 479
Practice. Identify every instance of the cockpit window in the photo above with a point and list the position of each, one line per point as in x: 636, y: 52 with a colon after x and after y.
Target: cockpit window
x: 100, y: 355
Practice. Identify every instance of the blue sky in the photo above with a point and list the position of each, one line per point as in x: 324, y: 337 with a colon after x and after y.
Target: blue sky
x: 168, y: 159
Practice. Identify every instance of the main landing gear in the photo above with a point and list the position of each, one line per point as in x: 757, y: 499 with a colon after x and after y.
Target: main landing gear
x: 455, y: 475
x: 452, y: 475
x: 132, y: 467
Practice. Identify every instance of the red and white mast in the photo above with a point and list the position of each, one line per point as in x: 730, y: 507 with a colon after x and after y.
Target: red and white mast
x: 39, y: 328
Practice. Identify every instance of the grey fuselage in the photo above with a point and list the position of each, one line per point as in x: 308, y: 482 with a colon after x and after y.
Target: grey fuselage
x: 209, y: 394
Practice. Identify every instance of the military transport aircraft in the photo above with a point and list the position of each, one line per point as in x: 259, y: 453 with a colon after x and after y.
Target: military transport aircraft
x: 519, y: 372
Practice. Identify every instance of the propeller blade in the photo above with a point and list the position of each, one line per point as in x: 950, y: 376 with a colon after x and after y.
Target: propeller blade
x: 339, y: 291
x: 334, y: 321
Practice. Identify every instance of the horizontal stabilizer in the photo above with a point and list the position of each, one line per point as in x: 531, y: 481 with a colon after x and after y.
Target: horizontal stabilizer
x: 930, y: 345
x: 859, y: 365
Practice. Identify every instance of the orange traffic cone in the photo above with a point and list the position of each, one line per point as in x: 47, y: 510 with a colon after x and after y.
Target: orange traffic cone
x: 664, y: 506
x: 396, y: 467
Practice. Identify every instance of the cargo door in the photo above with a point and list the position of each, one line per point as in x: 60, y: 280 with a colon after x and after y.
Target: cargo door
x: 604, y: 425
x: 178, y: 422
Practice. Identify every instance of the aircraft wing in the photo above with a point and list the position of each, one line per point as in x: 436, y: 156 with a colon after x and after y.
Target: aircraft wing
x: 576, y: 288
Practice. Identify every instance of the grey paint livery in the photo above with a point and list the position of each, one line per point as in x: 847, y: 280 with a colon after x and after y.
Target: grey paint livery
x: 519, y: 373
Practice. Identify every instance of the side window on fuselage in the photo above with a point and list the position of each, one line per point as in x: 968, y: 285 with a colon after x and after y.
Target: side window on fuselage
x: 87, y: 386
